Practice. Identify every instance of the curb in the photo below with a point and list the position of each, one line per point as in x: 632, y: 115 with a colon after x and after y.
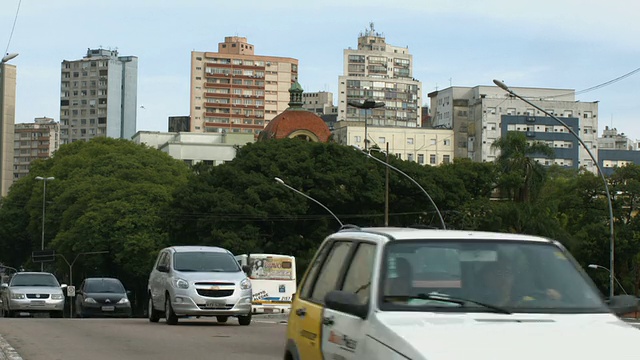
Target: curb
x: 7, y: 352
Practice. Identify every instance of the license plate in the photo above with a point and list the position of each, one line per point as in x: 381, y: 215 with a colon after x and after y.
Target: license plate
x: 268, y: 311
x: 215, y: 305
x: 108, y: 308
x: 37, y: 302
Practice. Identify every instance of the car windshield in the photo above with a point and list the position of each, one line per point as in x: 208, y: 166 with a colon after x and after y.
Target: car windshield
x: 205, y: 261
x: 34, y: 280
x: 104, y: 286
x: 503, y: 276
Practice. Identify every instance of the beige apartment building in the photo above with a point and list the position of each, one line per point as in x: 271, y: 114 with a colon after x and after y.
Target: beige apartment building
x: 37, y: 140
x: 7, y: 124
x: 234, y: 90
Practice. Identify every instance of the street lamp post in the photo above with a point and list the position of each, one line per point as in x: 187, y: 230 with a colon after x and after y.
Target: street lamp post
x: 595, y: 266
x: 281, y: 182
x: 70, y: 264
x: 44, y: 197
x: 366, y: 105
x: 504, y: 87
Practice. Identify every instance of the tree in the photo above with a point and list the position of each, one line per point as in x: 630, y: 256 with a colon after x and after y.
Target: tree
x: 522, y: 176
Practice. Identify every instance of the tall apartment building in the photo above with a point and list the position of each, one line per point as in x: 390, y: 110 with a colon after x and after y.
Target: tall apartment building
x: 7, y: 123
x: 320, y: 102
x: 234, y: 90
x: 382, y: 72
x: 482, y: 114
x: 98, y: 96
x: 37, y: 140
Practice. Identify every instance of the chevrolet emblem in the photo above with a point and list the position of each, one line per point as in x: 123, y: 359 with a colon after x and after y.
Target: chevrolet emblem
x: 107, y: 301
x: 214, y: 288
x: 38, y: 296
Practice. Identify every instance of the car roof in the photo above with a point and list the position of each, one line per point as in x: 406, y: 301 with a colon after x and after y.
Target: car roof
x: 187, y: 248
x: 33, y: 273
x: 100, y: 278
x: 403, y: 233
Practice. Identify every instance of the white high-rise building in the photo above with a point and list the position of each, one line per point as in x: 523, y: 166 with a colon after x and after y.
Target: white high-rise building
x: 381, y: 72
x: 98, y: 96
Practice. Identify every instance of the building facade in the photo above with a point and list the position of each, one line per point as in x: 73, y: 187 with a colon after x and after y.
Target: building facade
x: 612, y: 140
x: 381, y: 72
x: 37, y: 140
x: 236, y: 91
x: 7, y: 124
x: 425, y: 146
x: 98, y: 96
x: 192, y: 148
x: 481, y: 114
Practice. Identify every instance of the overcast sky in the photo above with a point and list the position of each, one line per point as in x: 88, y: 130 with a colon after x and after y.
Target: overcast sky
x: 568, y: 44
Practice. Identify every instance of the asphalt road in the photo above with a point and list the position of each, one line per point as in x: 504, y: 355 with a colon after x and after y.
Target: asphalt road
x: 137, y: 339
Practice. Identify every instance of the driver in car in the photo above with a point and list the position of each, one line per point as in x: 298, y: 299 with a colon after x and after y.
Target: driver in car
x: 498, y: 280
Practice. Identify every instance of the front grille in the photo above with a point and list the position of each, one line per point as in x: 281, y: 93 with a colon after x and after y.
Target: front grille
x: 221, y: 307
x: 215, y: 283
x: 37, y: 296
x: 214, y: 293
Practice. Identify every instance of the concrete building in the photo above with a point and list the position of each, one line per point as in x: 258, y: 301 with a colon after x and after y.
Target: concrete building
x: 480, y: 115
x: 237, y: 91
x: 612, y: 140
x: 320, y: 102
x: 98, y: 96
x: 616, y: 150
x: 192, y: 148
x: 7, y: 123
x: 37, y: 140
x: 382, y: 72
x: 425, y: 146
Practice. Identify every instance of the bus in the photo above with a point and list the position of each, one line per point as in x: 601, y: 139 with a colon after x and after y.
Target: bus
x: 273, y: 281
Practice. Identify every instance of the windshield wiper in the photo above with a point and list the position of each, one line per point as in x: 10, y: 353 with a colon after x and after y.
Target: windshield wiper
x: 454, y: 300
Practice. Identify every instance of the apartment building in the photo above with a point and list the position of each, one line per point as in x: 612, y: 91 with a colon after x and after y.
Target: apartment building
x: 381, y: 72
x: 98, y: 96
x: 482, y: 114
x: 234, y: 90
x: 7, y: 123
x: 37, y: 140
x: 320, y: 102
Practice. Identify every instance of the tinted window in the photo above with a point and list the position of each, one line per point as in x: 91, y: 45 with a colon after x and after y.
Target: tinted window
x: 519, y: 276
x: 34, y: 280
x: 305, y: 289
x: 203, y: 261
x: 330, y: 272
x: 358, y: 280
x: 104, y: 286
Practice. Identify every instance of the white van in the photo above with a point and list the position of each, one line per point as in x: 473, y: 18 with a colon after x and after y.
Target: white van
x: 273, y: 280
x: 198, y: 281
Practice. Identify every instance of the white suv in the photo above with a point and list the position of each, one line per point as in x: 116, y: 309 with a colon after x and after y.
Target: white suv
x: 198, y: 281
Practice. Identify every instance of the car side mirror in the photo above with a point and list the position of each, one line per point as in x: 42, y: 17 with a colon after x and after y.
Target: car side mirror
x: 4, y: 285
x: 63, y: 286
x: 246, y: 269
x: 163, y: 268
x: 129, y: 293
x: 623, y: 304
x: 347, y: 303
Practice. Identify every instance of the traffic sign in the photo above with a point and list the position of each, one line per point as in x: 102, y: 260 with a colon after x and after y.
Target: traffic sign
x: 43, y: 256
x: 71, y: 291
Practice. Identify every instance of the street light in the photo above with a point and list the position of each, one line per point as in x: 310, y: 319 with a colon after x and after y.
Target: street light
x: 281, y: 182
x: 444, y: 227
x: 44, y: 196
x: 595, y: 266
x: 366, y: 105
x: 8, y: 57
x: 504, y: 87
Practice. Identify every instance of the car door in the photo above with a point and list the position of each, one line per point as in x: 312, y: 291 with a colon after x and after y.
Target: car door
x: 306, y: 313
x: 156, y: 280
x: 342, y: 333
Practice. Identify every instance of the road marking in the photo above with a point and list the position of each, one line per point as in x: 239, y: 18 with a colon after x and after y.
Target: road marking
x: 7, y: 352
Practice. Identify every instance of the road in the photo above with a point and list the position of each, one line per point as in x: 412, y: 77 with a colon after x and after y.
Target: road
x: 137, y: 339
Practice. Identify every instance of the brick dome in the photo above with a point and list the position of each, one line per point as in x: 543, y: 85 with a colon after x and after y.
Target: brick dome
x: 296, y: 122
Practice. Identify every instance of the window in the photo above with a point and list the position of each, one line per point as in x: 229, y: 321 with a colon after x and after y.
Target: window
x: 410, y: 141
x: 446, y: 142
x: 446, y: 159
x: 421, y: 159
x: 331, y: 270
x: 432, y: 159
x: 358, y: 279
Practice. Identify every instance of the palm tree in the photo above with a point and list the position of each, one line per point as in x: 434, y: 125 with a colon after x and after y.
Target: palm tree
x: 522, y: 176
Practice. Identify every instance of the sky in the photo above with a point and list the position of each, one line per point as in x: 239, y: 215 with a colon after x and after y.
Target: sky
x: 566, y: 44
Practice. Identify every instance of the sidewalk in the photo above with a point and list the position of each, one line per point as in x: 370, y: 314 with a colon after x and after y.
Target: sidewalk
x: 7, y: 352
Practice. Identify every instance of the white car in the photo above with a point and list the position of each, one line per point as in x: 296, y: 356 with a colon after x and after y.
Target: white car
x: 32, y: 292
x: 402, y: 293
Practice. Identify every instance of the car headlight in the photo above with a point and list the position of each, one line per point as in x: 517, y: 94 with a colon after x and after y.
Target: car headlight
x: 180, y: 283
x: 124, y: 300
x: 245, y: 284
x: 90, y: 300
x: 57, y: 296
x: 17, y: 296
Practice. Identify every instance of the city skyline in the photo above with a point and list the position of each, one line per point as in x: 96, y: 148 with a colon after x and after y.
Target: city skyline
x: 567, y: 44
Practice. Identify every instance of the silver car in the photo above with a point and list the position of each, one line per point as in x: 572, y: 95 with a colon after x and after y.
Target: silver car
x: 198, y: 281
x: 32, y: 292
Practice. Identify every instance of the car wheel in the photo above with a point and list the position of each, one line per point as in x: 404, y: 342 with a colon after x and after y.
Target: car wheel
x: 222, y: 319
x: 170, y: 316
x: 153, y: 314
x: 244, y: 320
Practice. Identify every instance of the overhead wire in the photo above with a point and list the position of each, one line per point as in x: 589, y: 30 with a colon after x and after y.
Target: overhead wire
x: 13, y: 27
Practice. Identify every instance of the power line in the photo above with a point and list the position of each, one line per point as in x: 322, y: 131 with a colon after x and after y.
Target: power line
x: 13, y: 27
x: 595, y: 87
